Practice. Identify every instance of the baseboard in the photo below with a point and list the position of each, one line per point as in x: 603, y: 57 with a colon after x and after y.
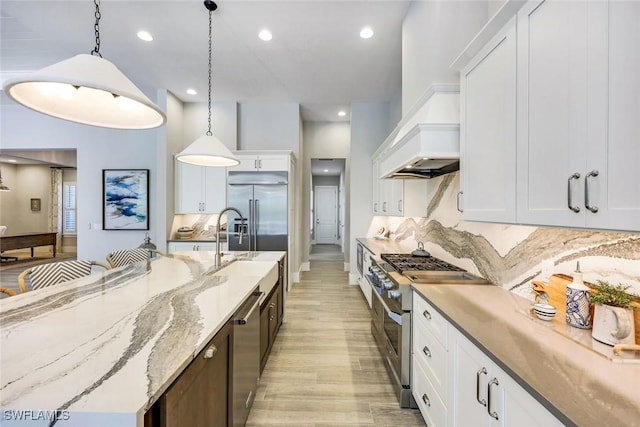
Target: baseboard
x: 353, y: 279
x: 346, y: 266
x: 295, y: 277
x: 305, y: 266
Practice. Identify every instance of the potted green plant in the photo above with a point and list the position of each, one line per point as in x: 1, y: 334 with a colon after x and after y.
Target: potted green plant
x: 613, y: 315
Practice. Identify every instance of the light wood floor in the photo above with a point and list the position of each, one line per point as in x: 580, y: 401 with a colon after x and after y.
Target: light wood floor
x: 325, y: 369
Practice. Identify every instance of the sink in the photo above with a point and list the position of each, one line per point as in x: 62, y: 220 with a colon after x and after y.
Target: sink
x: 268, y: 270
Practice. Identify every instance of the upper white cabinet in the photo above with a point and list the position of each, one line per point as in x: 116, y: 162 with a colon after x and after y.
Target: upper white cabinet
x: 571, y: 99
x: 578, y: 110
x: 199, y: 189
x: 398, y: 197
x: 488, y: 131
x: 261, y: 162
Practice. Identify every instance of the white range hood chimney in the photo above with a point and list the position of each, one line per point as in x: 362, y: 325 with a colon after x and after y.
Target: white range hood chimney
x: 426, y: 143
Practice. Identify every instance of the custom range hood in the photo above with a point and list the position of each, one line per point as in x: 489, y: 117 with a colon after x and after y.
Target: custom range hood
x: 427, y: 143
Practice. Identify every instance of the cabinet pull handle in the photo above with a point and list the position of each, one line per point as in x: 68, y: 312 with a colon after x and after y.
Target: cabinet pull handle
x: 260, y: 163
x: 426, y: 400
x: 458, y: 201
x: 400, y: 205
x: 375, y: 207
x: 491, y: 412
x: 426, y: 314
x: 210, y: 352
x: 587, y: 190
x: 480, y: 372
x: 426, y: 351
x: 255, y: 164
x: 384, y: 206
x: 576, y: 209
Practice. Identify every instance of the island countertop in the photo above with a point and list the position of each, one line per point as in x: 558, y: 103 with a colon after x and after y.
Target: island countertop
x: 573, y: 381
x: 103, y: 348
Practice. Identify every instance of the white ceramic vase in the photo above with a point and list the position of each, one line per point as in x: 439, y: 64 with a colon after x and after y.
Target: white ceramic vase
x: 613, y: 325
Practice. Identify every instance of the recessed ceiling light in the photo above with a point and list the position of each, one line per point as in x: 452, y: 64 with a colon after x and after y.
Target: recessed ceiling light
x: 366, y: 33
x: 191, y: 91
x: 326, y: 170
x: 342, y: 113
x: 12, y: 161
x: 265, y: 35
x: 144, y: 35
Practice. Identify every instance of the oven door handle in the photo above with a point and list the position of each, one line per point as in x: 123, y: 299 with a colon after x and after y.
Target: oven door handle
x: 394, y: 316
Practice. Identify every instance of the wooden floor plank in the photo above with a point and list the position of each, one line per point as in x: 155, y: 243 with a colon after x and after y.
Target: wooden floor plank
x: 325, y: 369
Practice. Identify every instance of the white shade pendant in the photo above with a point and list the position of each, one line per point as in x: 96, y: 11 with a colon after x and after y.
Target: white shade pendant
x: 208, y: 150
x: 86, y: 89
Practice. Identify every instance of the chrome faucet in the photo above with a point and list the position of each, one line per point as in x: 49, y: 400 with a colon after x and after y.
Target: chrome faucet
x: 240, y: 233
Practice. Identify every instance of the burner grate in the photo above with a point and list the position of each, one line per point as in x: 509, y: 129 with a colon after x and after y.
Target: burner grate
x: 405, y: 262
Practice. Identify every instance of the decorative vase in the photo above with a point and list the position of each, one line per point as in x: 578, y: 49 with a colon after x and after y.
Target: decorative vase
x: 613, y: 325
x: 578, y: 302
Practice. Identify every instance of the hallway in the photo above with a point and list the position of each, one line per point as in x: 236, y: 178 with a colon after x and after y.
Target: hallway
x: 325, y: 368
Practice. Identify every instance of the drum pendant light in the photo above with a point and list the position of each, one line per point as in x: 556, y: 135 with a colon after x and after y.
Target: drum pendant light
x: 208, y: 150
x: 86, y: 89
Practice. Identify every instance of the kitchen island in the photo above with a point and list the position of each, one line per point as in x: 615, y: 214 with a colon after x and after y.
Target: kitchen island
x: 102, y: 349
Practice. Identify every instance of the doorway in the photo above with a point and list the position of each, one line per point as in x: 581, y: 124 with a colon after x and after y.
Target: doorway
x: 326, y: 214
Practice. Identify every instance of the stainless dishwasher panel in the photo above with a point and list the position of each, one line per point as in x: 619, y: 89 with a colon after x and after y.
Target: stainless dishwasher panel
x: 246, y: 357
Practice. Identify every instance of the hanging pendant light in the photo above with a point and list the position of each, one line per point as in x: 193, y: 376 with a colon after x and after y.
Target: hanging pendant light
x: 208, y: 150
x: 2, y: 186
x: 86, y: 89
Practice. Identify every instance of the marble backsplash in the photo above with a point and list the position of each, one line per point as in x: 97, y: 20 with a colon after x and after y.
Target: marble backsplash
x: 513, y: 255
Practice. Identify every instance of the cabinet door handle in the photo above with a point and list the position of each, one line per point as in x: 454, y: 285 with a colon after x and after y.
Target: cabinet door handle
x: 491, y: 412
x: 426, y: 314
x: 210, y: 352
x: 384, y: 206
x: 587, y: 190
x: 576, y: 209
x: 400, y: 205
x: 375, y: 207
x: 260, y: 163
x: 426, y: 400
x: 482, y: 371
x: 458, y: 201
x: 426, y: 351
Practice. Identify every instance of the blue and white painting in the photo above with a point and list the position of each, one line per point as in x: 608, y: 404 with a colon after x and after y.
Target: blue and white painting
x: 126, y: 199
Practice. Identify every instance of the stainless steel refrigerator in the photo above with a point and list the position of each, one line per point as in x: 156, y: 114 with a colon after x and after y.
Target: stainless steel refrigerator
x: 261, y: 197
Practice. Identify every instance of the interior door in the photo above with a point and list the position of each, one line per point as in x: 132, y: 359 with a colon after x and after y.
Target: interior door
x: 326, y: 209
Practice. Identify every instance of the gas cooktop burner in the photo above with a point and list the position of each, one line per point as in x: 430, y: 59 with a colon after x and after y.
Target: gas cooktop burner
x: 407, y: 262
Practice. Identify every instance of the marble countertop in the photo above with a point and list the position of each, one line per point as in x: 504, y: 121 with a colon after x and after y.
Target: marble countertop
x: 580, y: 384
x: 106, y: 346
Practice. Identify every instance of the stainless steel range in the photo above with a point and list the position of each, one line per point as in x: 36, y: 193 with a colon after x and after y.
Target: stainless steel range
x: 391, y: 277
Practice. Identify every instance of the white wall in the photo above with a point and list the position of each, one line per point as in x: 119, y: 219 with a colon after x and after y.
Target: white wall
x: 263, y: 126
x: 433, y: 34
x: 321, y: 140
x: 97, y: 149
x: 26, y: 182
x: 369, y: 127
x: 224, y: 122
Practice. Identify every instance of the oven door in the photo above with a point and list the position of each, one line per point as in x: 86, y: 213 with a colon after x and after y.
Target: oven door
x: 392, y: 324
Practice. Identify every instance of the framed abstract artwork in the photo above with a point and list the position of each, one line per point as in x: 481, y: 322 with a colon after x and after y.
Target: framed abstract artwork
x: 125, y: 194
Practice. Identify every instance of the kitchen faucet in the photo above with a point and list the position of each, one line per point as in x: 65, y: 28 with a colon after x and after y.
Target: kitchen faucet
x: 240, y: 233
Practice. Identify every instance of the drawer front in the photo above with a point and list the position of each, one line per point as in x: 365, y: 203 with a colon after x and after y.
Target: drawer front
x: 432, y: 356
x: 431, y: 406
x: 425, y: 316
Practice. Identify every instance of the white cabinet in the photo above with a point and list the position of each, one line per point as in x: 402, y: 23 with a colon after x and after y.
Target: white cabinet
x: 363, y: 282
x: 488, y: 131
x: 578, y: 127
x: 457, y: 384
x: 484, y: 395
x: 195, y: 246
x: 199, y: 189
x: 261, y: 162
x: 398, y: 197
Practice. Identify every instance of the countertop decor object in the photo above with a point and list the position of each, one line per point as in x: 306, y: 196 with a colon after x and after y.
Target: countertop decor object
x: 147, y: 244
x: 86, y: 89
x: 208, y: 150
x: 613, y: 321
x: 578, y: 302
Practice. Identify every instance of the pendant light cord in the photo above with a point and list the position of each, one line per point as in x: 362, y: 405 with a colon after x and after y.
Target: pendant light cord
x: 96, y: 28
x: 209, y: 131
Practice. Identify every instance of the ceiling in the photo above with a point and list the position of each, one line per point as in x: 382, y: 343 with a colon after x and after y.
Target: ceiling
x: 327, y: 167
x: 316, y: 57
